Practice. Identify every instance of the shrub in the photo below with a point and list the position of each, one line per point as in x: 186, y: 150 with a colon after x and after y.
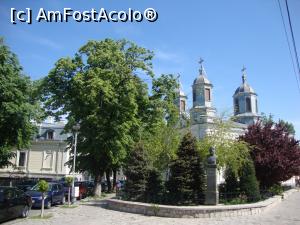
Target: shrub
x: 276, y: 189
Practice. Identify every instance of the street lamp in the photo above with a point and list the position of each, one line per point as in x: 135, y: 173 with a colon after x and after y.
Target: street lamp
x: 76, y: 129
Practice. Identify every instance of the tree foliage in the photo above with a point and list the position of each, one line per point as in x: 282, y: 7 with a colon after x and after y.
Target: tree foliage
x: 18, y: 106
x: 186, y: 184
x: 155, y: 190
x: 136, y: 172
x: 276, y: 154
x: 100, y: 88
x: 230, y: 152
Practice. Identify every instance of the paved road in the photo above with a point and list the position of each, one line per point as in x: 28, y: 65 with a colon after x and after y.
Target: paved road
x: 284, y: 213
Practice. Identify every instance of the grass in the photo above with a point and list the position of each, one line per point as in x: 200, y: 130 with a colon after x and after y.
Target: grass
x: 69, y: 206
x: 46, y: 216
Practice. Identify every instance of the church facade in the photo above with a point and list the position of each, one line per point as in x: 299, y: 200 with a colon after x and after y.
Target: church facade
x: 202, y: 115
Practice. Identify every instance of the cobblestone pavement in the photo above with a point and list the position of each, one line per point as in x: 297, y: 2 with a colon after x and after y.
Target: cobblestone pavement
x: 92, y: 213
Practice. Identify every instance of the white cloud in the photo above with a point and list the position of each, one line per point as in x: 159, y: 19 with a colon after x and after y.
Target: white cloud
x: 167, y: 56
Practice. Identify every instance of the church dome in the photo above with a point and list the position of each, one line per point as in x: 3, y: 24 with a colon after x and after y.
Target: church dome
x: 245, y: 87
x: 202, y: 79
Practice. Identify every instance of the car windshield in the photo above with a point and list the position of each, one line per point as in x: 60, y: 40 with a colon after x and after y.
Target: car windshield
x: 36, y: 187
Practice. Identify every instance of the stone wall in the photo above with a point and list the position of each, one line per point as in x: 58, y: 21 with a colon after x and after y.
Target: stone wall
x: 194, y: 211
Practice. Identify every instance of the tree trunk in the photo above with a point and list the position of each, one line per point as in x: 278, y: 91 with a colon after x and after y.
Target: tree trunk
x: 97, y: 187
x: 43, y: 205
x: 114, y: 179
x: 107, y: 174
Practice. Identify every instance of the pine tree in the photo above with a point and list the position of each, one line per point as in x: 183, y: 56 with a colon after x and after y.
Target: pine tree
x: 187, y: 181
x: 248, y: 182
x: 136, y: 171
x: 154, y: 188
x: 232, y: 187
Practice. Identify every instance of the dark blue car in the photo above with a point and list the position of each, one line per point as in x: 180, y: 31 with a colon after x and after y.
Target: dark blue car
x: 55, y: 195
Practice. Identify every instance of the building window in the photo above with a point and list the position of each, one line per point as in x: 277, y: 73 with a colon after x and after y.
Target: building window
x: 248, y: 105
x: 50, y: 135
x: 47, y: 160
x: 22, y: 159
x: 182, y: 105
x: 194, y: 95
x: 207, y: 94
x: 236, y: 106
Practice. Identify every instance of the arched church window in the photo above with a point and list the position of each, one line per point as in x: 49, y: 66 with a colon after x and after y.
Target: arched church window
x: 236, y: 106
x: 207, y: 94
x: 248, y: 105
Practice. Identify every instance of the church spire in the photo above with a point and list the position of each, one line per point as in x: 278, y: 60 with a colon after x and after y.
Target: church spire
x: 244, y: 77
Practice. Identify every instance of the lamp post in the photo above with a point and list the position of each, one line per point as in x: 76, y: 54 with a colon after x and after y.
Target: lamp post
x: 76, y: 129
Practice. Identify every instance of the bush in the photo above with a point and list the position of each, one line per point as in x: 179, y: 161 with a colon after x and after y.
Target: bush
x: 276, y: 189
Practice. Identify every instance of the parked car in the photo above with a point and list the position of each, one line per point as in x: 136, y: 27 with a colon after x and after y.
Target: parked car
x: 55, y: 195
x: 13, y: 203
x: 83, y: 189
x: 26, y: 185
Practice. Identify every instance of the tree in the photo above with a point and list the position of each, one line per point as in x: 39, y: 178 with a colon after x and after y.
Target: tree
x: 69, y: 181
x: 18, y: 106
x: 270, y: 119
x: 186, y: 184
x: 276, y: 154
x: 248, y: 183
x: 154, y: 187
x: 230, y: 151
x: 136, y: 172
x: 43, y: 187
x: 100, y: 88
x: 243, y: 184
x: 161, y: 136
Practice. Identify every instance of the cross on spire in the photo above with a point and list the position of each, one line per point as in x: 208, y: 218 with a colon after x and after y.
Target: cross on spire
x: 201, y: 70
x: 244, y: 74
x: 201, y: 61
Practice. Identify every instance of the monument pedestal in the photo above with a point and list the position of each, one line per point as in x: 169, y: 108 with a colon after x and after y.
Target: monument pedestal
x: 212, y: 194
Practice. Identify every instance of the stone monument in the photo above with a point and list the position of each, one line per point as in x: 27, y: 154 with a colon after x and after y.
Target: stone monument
x: 212, y: 194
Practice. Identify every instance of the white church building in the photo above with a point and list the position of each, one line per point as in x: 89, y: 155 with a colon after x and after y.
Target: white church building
x: 203, y: 113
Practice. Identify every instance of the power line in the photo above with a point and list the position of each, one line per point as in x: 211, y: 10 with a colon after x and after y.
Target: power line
x: 288, y: 42
x: 293, y: 38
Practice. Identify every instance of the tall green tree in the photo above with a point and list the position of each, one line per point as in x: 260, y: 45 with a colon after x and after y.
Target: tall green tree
x: 161, y: 136
x: 186, y: 184
x: 136, y: 171
x: 18, y: 106
x: 100, y: 88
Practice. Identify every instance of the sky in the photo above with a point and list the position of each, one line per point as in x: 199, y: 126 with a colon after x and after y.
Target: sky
x: 226, y: 34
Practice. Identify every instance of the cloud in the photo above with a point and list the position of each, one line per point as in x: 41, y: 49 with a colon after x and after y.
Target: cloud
x: 46, y: 42
x: 167, y: 56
